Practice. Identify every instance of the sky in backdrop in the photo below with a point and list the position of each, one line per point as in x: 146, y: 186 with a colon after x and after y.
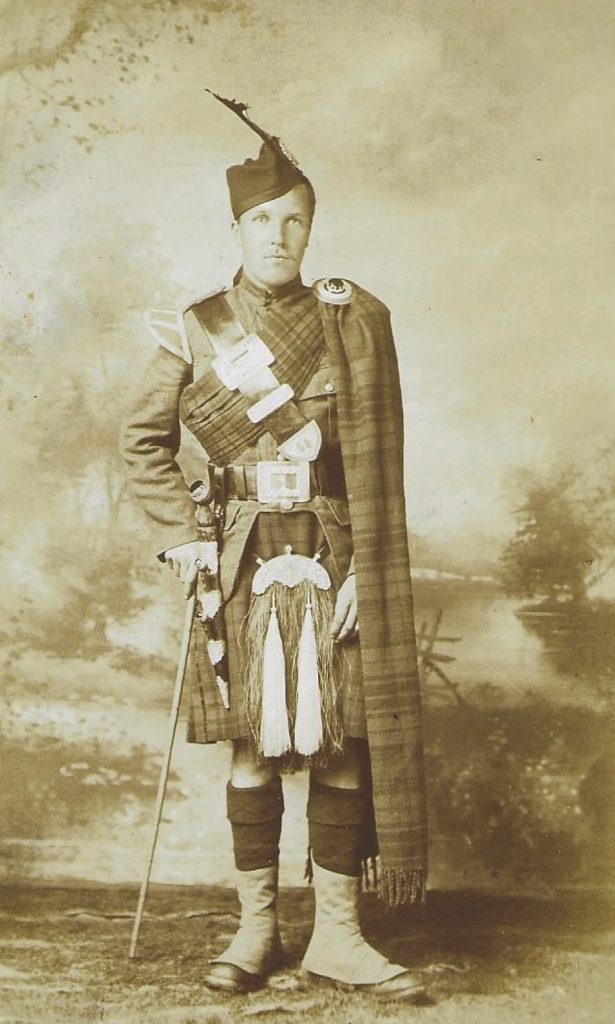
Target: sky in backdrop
x: 462, y: 154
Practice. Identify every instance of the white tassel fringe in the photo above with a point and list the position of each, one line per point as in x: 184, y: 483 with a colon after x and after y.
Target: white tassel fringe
x: 274, y: 733
x: 308, y: 722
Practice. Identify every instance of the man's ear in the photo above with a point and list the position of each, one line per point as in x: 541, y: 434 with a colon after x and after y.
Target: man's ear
x: 235, y: 237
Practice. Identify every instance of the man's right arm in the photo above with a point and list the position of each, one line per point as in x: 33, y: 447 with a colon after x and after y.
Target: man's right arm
x: 149, y: 443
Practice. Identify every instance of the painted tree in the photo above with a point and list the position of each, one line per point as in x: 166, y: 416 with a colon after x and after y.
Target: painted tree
x: 554, y: 548
x: 45, y: 45
x: 69, y: 522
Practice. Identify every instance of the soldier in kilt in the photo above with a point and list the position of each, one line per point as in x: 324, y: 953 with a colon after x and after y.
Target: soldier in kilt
x: 293, y: 393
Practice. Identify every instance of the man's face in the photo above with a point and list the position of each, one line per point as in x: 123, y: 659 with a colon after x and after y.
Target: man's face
x: 274, y: 237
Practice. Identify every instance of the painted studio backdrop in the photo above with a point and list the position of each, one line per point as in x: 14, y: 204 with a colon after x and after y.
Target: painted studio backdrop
x: 463, y: 166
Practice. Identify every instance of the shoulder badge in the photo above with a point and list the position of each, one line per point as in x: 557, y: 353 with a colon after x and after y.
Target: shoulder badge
x: 334, y: 290
x: 167, y: 327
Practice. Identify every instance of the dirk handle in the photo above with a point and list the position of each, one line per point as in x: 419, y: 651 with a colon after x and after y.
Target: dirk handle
x: 202, y: 495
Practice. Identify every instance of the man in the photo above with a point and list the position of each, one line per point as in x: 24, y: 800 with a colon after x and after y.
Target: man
x: 294, y: 395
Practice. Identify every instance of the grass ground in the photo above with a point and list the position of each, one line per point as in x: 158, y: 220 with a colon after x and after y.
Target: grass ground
x: 488, y: 959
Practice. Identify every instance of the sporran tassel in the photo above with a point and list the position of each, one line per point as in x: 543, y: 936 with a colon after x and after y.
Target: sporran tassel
x: 290, y: 608
x: 289, y: 657
x: 308, y: 721
x: 274, y: 733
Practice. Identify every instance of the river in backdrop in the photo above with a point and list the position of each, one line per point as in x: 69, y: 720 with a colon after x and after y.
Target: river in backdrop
x: 523, y: 654
x: 96, y: 747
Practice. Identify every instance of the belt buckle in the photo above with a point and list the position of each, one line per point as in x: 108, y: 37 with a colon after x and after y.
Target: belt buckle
x: 283, y: 482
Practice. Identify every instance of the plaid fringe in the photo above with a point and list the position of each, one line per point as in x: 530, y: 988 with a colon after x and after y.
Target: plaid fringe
x: 308, y: 874
x: 395, y: 888
x: 398, y: 886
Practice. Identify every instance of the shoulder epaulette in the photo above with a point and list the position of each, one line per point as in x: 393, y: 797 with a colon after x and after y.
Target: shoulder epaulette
x: 334, y: 290
x: 168, y: 327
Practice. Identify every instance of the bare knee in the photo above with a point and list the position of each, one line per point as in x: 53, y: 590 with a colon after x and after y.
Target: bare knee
x: 347, y: 770
x: 246, y: 769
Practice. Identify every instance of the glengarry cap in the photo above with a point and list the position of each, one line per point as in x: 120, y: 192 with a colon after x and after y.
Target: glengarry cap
x: 271, y: 175
x: 257, y: 181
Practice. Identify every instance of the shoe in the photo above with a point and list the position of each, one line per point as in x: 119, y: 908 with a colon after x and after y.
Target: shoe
x: 406, y: 987
x: 338, y: 953
x: 230, y: 978
x: 256, y: 950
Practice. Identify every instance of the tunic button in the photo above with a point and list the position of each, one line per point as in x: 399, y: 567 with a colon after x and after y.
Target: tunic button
x: 329, y: 386
x: 286, y: 504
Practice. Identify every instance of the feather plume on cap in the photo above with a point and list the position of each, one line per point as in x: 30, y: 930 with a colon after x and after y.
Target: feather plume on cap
x: 274, y: 172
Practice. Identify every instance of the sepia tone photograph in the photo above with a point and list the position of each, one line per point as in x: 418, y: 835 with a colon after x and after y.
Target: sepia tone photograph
x: 308, y: 495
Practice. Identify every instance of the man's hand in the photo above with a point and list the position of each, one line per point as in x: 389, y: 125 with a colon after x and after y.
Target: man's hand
x: 182, y: 560
x: 345, y: 623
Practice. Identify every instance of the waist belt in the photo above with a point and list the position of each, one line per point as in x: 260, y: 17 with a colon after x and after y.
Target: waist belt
x: 281, y: 482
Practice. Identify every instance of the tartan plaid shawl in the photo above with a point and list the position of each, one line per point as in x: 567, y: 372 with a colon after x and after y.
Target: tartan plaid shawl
x: 360, y: 342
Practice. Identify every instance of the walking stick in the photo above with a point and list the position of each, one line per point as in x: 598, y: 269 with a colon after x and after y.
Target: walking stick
x: 210, y: 615
x: 164, y: 771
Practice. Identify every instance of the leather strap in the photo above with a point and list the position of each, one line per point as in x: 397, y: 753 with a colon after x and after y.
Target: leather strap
x: 238, y: 477
x: 219, y: 485
x: 216, y: 316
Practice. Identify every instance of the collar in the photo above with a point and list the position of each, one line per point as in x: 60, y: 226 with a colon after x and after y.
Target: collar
x: 265, y: 297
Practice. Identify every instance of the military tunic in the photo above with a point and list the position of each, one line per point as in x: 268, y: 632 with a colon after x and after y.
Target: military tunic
x: 251, y: 530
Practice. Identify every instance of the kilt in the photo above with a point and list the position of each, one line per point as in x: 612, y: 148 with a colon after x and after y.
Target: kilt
x: 255, y: 531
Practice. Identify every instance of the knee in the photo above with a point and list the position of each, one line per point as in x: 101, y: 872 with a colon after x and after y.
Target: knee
x: 246, y: 770
x: 346, y: 771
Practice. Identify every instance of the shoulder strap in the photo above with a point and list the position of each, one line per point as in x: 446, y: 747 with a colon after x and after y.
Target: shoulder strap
x: 218, y: 319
